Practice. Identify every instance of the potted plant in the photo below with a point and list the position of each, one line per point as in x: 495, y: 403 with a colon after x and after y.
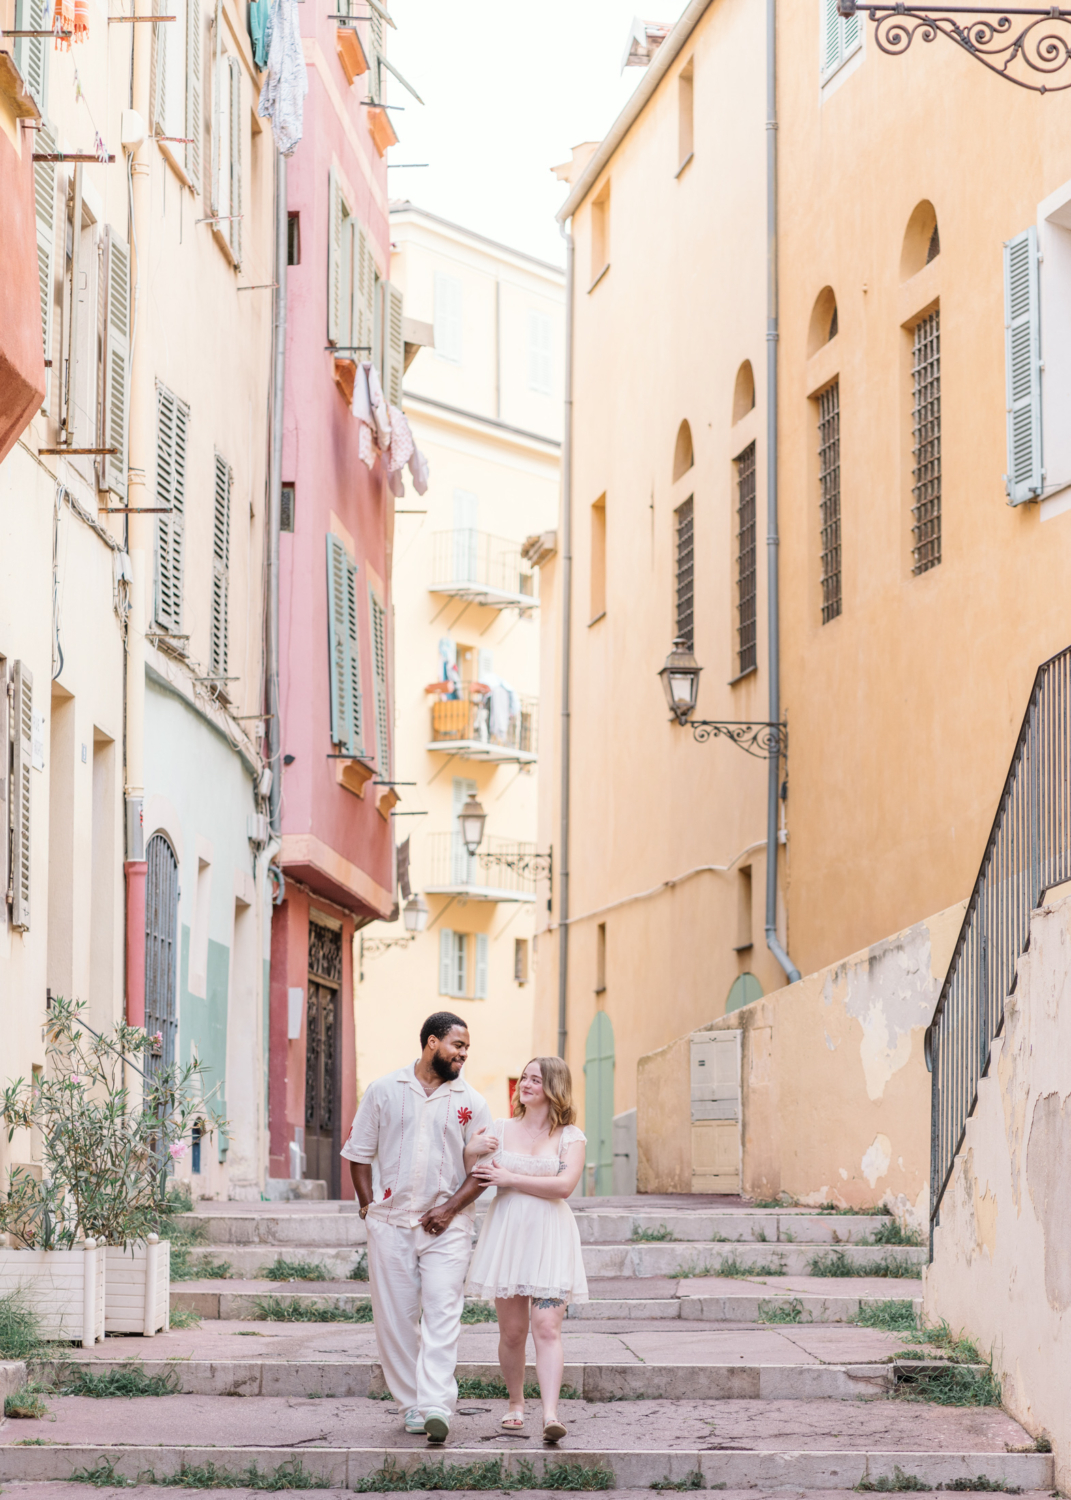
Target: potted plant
x: 112, y: 1121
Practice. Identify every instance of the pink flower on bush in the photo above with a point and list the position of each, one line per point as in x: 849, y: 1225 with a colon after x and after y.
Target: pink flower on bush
x: 157, y: 1037
x: 177, y: 1150
x: 76, y: 1078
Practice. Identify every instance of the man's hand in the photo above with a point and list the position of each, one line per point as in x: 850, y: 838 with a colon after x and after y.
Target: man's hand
x: 437, y: 1219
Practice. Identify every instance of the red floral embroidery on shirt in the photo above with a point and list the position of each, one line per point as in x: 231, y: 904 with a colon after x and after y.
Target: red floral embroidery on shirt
x: 464, y: 1115
x: 386, y: 1194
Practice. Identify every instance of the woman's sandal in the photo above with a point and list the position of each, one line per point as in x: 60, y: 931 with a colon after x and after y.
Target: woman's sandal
x: 513, y: 1421
x: 553, y: 1431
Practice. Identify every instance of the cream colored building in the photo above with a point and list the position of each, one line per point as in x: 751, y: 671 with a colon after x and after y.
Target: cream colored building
x: 485, y: 405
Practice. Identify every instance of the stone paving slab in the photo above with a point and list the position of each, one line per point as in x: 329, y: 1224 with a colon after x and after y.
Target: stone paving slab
x: 57, y: 1489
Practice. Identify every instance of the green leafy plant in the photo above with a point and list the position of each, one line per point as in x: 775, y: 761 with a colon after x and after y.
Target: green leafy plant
x: 291, y: 1475
x: 126, y: 1380
x: 20, y: 1329
x: 899, y: 1482
x: 955, y: 1347
x: 894, y: 1233
x: 838, y: 1263
x: 651, y: 1236
x: 982, y: 1483
x: 28, y: 1401
x: 897, y: 1317
x: 360, y: 1270
x: 692, y: 1481
x: 782, y: 1310
x: 112, y: 1127
x: 478, y: 1312
x: 296, y: 1270
x: 298, y: 1310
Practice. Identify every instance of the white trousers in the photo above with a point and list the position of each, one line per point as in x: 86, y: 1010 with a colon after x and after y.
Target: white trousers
x: 418, y: 1291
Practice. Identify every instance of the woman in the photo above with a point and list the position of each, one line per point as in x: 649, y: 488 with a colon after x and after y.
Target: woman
x: 528, y: 1257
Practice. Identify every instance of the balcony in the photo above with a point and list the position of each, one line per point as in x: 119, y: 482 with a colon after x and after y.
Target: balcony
x: 476, y: 725
x: 456, y: 872
x: 484, y: 569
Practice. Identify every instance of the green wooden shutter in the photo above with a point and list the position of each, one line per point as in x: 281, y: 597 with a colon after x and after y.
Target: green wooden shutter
x: 446, y: 958
x: 831, y: 37
x: 1022, y: 355
x: 353, y: 649
x: 221, y: 548
x: 158, y: 73
x: 394, y: 347
x: 851, y: 32
x: 338, y: 636
x: 379, y: 667
x: 334, y: 258
x: 194, y: 121
x: 375, y: 62
x: 235, y: 153
x: 113, y: 467
x: 480, y: 990
x: 44, y: 191
x: 21, y: 763
x: 599, y: 1101
x: 172, y: 421
x: 31, y: 53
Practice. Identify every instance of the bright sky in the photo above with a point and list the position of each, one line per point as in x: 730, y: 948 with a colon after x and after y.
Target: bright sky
x: 509, y: 87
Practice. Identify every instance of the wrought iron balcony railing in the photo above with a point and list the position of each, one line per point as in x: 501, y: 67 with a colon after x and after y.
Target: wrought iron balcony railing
x: 456, y: 872
x: 483, y: 568
x: 477, y: 725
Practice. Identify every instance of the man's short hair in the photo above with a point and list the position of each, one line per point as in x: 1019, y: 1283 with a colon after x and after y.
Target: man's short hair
x: 439, y: 1025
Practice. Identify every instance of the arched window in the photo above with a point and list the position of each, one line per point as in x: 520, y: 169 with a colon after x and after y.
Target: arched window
x: 744, y: 989
x: 743, y: 392
x: 824, y: 321
x: 683, y: 456
x: 922, y: 241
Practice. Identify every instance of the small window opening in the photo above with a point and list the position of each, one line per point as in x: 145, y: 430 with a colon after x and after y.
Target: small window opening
x: 520, y: 960
x: 286, y: 509
x: 743, y: 910
x: 600, y: 959
x: 293, y: 239
x: 934, y: 248
x: 598, y: 559
x: 195, y: 1154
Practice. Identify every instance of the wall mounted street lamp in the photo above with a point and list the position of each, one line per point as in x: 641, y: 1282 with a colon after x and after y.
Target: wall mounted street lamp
x: 680, y: 680
x: 1030, y: 56
x: 415, y: 917
x: 533, y: 866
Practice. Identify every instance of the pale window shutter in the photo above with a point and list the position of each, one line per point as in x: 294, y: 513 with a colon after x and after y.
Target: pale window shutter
x: 338, y: 639
x: 448, y: 317
x: 539, y: 353
x: 194, y: 122
x: 31, y: 53
x: 172, y: 423
x: 1022, y: 356
x: 217, y: 110
x: 394, y: 347
x: 44, y: 191
x: 375, y: 64
x: 361, y: 321
x: 22, y: 761
x: 334, y: 258
x: 851, y: 31
x: 235, y: 121
x: 353, y: 661
x: 158, y: 72
x: 481, y: 966
x: 379, y: 664
x: 831, y: 36
x: 221, y: 550
x: 446, y: 955
x: 113, y: 467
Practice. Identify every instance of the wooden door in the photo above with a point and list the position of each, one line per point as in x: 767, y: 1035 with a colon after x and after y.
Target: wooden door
x: 323, y: 1058
x: 161, y: 933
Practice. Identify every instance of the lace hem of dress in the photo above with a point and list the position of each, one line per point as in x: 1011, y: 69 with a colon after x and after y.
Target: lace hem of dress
x: 557, y: 1293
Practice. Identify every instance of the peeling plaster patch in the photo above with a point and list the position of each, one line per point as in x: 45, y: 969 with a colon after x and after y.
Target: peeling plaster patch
x: 891, y: 997
x: 985, y: 1220
x: 814, y: 1200
x: 875, y: 1162
x: 830, y: 1043
x: 1047, y: 1154
x: 843, y: 1173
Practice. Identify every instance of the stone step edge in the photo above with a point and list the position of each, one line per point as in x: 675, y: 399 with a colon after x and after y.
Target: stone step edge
x: 631, y: 1469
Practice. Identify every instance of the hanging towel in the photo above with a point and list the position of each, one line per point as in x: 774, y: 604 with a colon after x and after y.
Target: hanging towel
x: 401, y: 439
x: 418, y: 467
x: 380, y: 414
x: 282, y: 99
x: 361, y: 406
x: 260, y: 30
x: 81, y: 20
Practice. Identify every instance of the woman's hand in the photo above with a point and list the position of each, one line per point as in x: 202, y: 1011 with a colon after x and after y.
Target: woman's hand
x: 491, y: 1174
x: 483, y: 1143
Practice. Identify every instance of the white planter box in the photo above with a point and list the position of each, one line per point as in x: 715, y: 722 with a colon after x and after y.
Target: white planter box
x: 64, y: 1287
x: 137, y: 1296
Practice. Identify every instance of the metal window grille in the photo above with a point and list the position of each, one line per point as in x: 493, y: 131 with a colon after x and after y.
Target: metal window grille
x: 926, y: 428
x: 829, y: 484
x: 747, y: 650
x: 686, y: 573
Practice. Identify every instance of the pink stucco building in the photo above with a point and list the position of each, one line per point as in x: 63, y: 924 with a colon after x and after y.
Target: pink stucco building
x: 335, y: 688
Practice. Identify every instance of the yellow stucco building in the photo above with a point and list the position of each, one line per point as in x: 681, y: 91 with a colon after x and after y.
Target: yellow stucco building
x: 839, y: 412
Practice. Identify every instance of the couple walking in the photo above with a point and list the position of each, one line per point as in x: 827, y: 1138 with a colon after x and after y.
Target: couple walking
x: 435, y: 1149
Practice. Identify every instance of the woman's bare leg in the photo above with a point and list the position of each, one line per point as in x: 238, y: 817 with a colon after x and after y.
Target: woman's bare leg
x: 512, y: 1337
x: 547, y: 1315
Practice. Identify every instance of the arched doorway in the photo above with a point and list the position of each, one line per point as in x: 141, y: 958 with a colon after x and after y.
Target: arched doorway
x: 161, y: 934
x: 599, y: 1103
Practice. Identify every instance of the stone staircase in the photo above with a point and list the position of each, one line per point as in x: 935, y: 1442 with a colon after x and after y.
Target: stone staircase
x: 746, y: 1375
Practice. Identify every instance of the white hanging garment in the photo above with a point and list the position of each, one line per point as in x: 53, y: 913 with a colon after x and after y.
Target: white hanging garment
x: 366, y: 448
x: 395, y: 483
x: 418, y: 467
x: 361, y: 406
x: 380, y: 414
x: 401, y: 439
x: 282, y: 99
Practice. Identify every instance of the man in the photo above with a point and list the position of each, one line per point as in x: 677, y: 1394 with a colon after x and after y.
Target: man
x: 414, y: 1124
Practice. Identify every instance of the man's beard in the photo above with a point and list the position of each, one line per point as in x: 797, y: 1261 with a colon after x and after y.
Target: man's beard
x: 446, y: 1069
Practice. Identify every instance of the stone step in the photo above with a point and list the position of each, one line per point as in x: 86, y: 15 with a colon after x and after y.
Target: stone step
x: 54, y: 1489
x: 337, y: 1378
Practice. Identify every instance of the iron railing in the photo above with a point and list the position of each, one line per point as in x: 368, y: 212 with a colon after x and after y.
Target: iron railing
x: 484, y: 728
x: 488, y: 569
x: 453, y: 868
x: 1028, y: 852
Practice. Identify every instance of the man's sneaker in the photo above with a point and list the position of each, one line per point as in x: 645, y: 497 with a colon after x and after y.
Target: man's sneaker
x: 414, y: 1422
x: 437, y: 1425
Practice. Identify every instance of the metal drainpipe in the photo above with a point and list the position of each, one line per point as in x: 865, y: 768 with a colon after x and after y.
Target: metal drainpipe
x: 275, y: 492
x: 562, y: 859
x: 772, y: 538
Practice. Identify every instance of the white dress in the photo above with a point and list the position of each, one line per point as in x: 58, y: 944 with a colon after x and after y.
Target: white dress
x: 529, y: 1246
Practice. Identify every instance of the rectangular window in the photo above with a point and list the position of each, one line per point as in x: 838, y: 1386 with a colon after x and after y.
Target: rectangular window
x: 448, y: 317
x: 746, y: 641
x: 221, y: 551
x: 743, y: 910
x: 842, y: 36
x: 600, y: 958
x: 686, y: 137
x: 540, y: 353
x: 829, y: 488
x: 926, y: 442
x: 293, y: 239
x: 286, y: 508
x: 172, y: 423
x: 520, y: 960
x: 685, y: 517
x: 598, y: 559
x: 453, y: 965
x: 600, y: 234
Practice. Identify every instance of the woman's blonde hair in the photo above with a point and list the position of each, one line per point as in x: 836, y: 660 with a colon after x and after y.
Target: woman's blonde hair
x: 558, y: 1087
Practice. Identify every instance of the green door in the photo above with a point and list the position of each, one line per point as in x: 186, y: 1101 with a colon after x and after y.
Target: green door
x: 599, y: 1103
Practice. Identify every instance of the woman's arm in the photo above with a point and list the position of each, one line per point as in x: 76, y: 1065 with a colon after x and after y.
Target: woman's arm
x: 492, y: 1175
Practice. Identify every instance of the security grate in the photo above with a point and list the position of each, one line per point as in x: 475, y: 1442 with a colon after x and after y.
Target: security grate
x: 686, y: 573
x: 829, y: 483
x: 745, y: 560
x: 926, y: 427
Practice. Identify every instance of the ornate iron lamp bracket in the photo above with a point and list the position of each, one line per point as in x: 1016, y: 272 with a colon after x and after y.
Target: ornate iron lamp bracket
x: 1041, y: 47
x: 528, y: 866
x: 765, y: 741
x: 372, y: 947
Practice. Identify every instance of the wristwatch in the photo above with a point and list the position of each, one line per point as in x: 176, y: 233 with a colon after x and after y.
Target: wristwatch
x: 364, y: 1210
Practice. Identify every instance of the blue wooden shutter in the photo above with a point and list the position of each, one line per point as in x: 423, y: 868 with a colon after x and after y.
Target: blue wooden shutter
x: 1022, y: 353
x: 31, y: 53
x: 338, y: 643
x: 353, y: 647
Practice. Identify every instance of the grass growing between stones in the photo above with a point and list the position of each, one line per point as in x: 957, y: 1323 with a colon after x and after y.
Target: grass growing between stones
x: 28, y: 1402
x: 896, y: 1317
x: 128, y: 1380
x: 896, y: 1485
x: 782, y: 1310
x: 692, y: 1481
x: 488, y: 1474
x: 475, y: 1388
x: 651, y: 1236
x: 893, y: 1233
x: 296, y: 1310
x: 20, y: 1329
x: 478, y: 1312
x: 734, y: 1268
x: 839, y: 1263
x: 296, y: 1270
x: 955, y: 1386
x: 360, y: 1270
x: 184, y: 1317
x: 291, y: 1475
